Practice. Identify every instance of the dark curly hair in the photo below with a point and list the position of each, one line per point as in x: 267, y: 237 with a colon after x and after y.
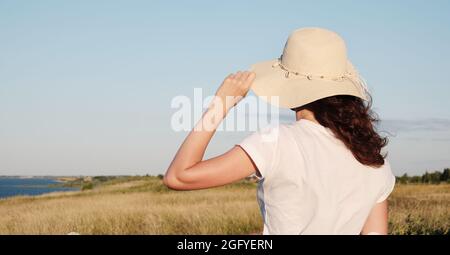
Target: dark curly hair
x: 352, y: 121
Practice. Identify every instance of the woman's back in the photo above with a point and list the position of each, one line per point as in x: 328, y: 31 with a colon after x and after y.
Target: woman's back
x: 324, y: 178
x: 312, y: 183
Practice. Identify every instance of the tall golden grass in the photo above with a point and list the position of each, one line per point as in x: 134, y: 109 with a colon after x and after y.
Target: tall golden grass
x: 145, y: 206
x: 134, y: 207
x: 420, y: 209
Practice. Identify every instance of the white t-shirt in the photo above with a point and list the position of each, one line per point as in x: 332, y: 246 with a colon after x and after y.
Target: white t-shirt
x: 311, y: 183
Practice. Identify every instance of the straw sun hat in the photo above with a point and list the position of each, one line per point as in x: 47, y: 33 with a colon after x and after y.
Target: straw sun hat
x: 314, y: 65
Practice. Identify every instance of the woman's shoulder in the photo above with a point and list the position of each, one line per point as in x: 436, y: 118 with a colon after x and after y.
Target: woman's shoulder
x: 275, y: 133
x: 267, y: 137
x: 384, y: 169
x: 383, y: 173
x: 387, y: 180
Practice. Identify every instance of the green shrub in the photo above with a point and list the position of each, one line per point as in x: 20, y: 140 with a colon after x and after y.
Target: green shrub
x: 87, y: 186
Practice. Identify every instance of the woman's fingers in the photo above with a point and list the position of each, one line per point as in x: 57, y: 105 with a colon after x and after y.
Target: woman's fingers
x: 241, y: 79
x: 250, y: 77
x: 243, y: 76
x: 235, y: 86
x: 238, y: 76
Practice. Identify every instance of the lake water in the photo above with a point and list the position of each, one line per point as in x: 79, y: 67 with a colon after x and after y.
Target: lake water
x: 28, y: 186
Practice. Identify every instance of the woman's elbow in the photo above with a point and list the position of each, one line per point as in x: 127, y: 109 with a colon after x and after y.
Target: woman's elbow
x: 172, y: 182
x: 169, y: 181
x: 166, y: 181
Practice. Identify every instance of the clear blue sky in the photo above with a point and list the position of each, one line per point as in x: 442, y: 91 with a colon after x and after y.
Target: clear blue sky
x: 85, y: 86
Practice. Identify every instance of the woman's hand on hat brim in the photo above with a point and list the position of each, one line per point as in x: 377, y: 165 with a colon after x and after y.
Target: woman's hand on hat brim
x: 234, y: 88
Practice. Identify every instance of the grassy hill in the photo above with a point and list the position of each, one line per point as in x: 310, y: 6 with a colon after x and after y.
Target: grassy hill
x: 142, y: 205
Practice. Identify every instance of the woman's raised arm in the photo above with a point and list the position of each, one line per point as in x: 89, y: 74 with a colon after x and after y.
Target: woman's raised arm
x: 188, y: 170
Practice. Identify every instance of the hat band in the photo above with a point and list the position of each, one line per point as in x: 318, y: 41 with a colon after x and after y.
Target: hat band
x: 308, y: 76
x: 355, y: 78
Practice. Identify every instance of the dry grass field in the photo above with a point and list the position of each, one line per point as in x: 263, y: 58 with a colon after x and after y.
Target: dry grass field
x: 144, y: 206
x: 420, y: 209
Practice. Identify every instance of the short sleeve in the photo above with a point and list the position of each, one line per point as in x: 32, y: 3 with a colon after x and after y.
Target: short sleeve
x: 389, y: 185
x: 261, y: 147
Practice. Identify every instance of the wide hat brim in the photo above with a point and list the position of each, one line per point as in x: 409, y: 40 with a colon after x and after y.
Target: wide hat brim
x: 272, y: 85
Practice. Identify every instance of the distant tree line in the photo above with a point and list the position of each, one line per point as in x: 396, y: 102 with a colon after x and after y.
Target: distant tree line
x: 427, y: 178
